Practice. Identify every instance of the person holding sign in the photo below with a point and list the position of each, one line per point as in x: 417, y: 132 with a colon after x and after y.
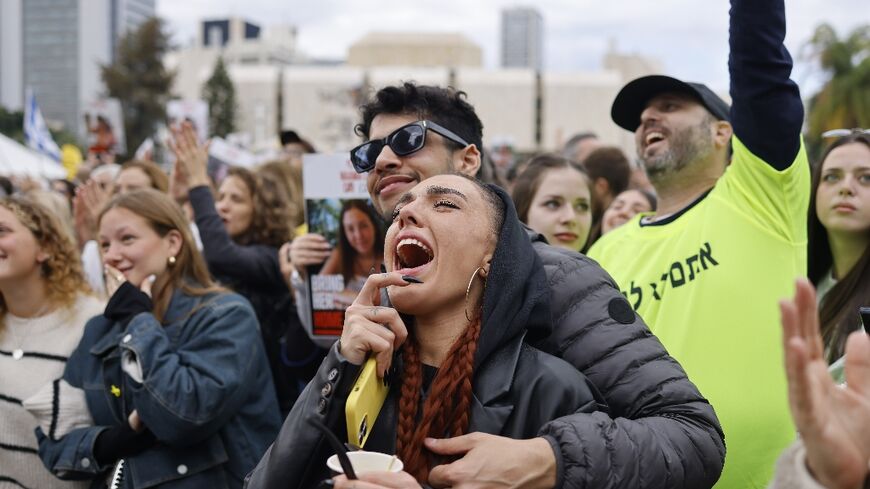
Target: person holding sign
x: 470, y: 289
x: 656, y: 414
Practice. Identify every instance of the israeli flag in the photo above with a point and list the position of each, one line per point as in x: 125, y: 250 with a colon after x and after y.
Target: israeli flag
x: 36, y: 131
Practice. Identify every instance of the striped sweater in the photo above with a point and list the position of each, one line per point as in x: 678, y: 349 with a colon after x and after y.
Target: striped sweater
x: 46, y: 342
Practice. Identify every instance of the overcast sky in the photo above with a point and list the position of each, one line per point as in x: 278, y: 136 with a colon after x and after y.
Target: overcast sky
x: 690, y: 37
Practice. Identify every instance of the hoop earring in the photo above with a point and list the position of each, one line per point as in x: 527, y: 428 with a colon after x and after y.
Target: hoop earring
x: 468, y: 291
x: 171, y: 260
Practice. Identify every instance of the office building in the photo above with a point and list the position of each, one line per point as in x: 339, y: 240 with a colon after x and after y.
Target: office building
x: 522, y: 38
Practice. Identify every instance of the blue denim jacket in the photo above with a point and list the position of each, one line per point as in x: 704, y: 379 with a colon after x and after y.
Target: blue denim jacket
x: 206, y: 394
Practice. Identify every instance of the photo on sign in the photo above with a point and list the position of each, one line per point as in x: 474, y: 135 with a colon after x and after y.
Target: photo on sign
x: 104, y: 123
x: 356, y: 234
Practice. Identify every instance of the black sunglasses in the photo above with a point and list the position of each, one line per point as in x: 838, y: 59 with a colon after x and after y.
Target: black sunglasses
x: 403, y: 141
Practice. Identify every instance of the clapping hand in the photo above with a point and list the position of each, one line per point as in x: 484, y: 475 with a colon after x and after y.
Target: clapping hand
x: 89, y: 200
x: 191, y: 158
x: 834, y: 422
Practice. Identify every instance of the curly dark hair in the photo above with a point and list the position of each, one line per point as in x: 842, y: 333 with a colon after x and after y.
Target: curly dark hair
x: 444, y: 106
x: 270, y: 224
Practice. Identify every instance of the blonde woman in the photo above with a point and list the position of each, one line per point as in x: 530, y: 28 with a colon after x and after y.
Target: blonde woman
x: 44, y: 305
x: 173, y: 372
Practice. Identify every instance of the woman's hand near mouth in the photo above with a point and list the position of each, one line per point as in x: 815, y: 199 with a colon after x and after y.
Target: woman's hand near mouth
x: 369, y: 327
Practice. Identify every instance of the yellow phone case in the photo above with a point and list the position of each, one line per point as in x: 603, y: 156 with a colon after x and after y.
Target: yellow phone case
x: 364, y: 403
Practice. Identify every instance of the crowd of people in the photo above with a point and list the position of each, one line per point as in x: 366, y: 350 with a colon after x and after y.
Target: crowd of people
x: 155, y: 325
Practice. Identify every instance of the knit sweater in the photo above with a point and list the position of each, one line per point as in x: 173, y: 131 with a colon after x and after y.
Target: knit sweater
x: 791, y: 470
x: 46, y: 342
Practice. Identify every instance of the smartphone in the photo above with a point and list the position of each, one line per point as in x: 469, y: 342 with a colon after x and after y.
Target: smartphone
x: 864, y: 314
x: 364, y: 403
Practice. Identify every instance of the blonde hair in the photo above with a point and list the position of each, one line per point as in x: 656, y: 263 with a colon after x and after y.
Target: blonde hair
x: 62, y: 271
x: 189, y: 272
x: 58, y: 206
x: 289, y: 180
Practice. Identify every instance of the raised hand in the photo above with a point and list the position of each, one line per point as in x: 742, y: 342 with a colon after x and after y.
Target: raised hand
x: 191, y: 157
x: 88, y: 202
x: 834, y: 422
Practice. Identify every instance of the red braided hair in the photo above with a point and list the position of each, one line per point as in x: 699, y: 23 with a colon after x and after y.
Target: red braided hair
x: 447, y: 408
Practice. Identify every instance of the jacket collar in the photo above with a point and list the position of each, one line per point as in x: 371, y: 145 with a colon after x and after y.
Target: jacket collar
x: 492, y: 405
x: 109, y: 334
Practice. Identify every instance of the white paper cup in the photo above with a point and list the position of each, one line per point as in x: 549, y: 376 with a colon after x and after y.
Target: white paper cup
x: 364, y: 462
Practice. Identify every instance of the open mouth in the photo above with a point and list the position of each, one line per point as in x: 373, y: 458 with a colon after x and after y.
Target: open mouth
x: 412, y: 254
x: 653, y: 137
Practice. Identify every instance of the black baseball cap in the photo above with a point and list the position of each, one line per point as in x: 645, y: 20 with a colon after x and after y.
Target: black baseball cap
x: 633, y: 98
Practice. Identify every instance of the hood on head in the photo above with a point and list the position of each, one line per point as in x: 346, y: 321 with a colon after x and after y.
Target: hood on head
x: 517, y: 296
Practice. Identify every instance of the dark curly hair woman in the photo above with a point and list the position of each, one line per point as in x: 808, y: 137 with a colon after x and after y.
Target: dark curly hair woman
x: 241, y: 233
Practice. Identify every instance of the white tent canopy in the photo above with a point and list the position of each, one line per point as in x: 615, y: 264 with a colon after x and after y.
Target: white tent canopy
x: 19, y: 160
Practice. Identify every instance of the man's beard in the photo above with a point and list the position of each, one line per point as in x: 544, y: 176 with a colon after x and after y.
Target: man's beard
x: 685, y: 148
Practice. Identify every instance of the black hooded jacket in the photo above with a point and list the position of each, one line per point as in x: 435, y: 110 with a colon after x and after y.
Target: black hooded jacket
x: 516, y: 388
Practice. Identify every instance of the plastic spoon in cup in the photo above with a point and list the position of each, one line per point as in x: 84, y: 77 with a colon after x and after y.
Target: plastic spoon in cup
x: 340, y: 450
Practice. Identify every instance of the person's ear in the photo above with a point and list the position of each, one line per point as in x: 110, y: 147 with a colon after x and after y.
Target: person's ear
x: 174, y: 241
x: 467, y: 160
x: 602, y: 187
x: 42, y: 257
x: 484, y: 269
x: 722, y: 131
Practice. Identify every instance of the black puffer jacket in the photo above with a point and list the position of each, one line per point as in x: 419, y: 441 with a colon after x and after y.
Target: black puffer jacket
x: 660, y: 432
x: 516, y: 388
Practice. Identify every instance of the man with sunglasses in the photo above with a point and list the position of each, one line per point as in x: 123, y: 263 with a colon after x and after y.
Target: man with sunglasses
x: 729, y: 235
x: 660, y: 431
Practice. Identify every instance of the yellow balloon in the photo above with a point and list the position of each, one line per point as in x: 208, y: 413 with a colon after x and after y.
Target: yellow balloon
x: 71, y: 158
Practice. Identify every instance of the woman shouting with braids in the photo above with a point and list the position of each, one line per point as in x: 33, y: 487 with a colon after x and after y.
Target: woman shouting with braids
x: 466, y: 291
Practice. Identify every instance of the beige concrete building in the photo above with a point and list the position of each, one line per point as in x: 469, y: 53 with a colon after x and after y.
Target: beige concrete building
x: 528, y: 110
x: 505, y: 101
x: 414, y: 49
x: 382, y: 76
x: 579, y: 102
x: 629, y: 65
x: 257, y: 99
x: 322, y: 104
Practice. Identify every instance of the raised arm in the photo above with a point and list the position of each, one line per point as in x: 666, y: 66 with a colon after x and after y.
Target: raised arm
x: 766, y: 111
x: 250, y: 264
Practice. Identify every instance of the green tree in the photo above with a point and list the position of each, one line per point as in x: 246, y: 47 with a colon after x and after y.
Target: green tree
x: 220, y: 94
x: 844, y: 99
x: 139, y: 80
x: 12, y: 126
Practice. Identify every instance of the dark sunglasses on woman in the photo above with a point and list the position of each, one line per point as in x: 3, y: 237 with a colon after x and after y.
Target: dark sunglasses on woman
x: 403, y: 141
